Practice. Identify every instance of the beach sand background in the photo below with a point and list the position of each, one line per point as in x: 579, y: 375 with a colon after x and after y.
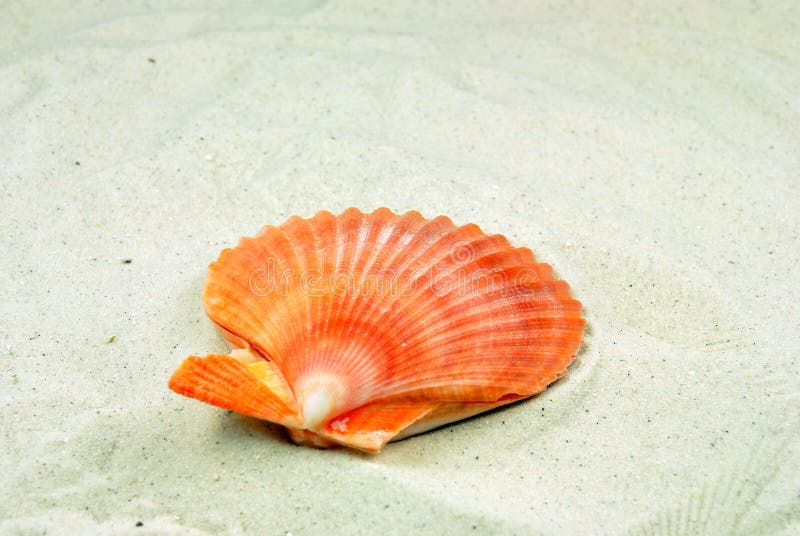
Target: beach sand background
x: 649, y: 153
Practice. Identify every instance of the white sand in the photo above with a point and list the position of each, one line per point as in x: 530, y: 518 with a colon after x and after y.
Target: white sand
x: 651, y: 155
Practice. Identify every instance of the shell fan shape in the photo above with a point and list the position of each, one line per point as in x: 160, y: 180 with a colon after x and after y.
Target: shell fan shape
x: 360, y: 329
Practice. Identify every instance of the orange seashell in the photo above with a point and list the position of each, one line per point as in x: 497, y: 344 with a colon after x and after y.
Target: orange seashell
x: 360, y: 329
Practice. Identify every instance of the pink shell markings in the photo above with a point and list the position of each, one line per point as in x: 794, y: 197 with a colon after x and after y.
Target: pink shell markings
x: 360, y: 329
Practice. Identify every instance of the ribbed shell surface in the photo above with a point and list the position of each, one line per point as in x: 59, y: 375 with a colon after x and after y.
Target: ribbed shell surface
x: 375, y: 322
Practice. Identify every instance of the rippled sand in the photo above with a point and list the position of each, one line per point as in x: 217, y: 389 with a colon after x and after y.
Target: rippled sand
x: 651, y: 155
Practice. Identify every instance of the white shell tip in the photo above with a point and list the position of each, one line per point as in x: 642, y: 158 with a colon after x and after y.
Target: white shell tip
x: 316, y: 406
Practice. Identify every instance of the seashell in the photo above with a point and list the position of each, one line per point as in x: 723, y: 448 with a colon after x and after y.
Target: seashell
x: 360, y: 329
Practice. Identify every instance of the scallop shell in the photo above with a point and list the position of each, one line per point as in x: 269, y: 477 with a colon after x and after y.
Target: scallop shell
x: 360, y: 329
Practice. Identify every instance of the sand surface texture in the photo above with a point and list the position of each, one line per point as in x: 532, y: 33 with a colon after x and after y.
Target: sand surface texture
x: 650, y: 154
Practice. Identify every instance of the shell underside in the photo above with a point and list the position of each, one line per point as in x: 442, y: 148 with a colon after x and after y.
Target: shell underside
x: 359, y: 329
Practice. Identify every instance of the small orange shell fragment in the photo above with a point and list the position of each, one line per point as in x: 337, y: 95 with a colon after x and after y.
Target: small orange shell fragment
x: 360, y: 329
